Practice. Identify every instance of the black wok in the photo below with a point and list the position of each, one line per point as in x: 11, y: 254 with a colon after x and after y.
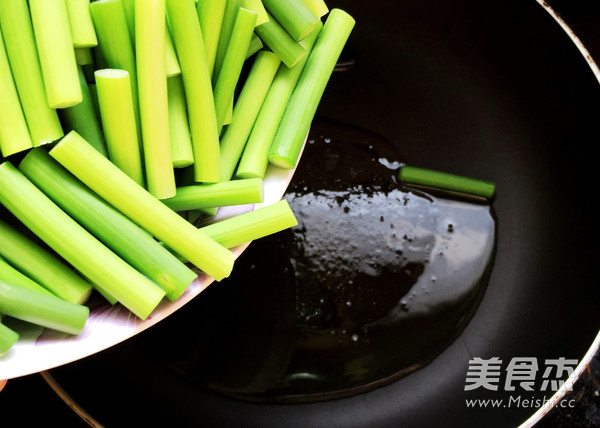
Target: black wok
x: 483, y: 89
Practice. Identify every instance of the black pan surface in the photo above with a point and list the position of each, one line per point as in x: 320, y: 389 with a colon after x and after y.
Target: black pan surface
x: 483, y: 89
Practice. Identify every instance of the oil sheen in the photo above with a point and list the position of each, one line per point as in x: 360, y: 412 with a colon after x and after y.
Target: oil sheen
x: 375, y: 281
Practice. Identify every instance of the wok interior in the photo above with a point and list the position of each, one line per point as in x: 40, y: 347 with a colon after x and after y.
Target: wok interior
x: 494, y: 90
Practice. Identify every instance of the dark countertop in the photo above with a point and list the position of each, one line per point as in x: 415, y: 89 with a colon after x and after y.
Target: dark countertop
x: 44, y: 405
x: 586, y: 393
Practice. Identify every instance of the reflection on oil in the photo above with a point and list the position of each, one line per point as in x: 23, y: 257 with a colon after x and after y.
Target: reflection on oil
x: 374, y: 282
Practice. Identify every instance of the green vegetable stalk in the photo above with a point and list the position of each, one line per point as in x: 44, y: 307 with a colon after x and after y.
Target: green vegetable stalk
x: 115, y: 230
x: 229, y: 15
x: 232, y: 63
x: 247, y: 227
x: 75, y: 244
x: 310, y: 88
x: 294, y: 16
x: 8, y: 338
x: 172, y: 63
x: 179, y: 125
x: 42, y: 121
x: 254, y: 160
x: 257, y: 7
x: 256, y: 224
x: 94, y: 99
x: 152, y: 86
x: 210, y: 15
x: 55, y: 49
x: 279, y: 41
x: 118, y: 120
x: 14, y: 135
x: 114, y: 186
x: 39, y: 263
x: 187, y: 37
x: 246, y: 111
x: 39, y: 309
x: 256, y: 45
x: 446, y: 181
x: 226, y: 193
x: 116, y: 46
x: 317, y: 7
x: 83, y: 32
x: 12, y: 276
x: 82, y: 118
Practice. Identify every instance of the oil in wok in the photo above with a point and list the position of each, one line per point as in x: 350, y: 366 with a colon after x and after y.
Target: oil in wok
x: 374, y: 282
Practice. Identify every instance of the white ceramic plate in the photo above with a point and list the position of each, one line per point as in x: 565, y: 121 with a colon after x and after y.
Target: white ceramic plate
x: 40, y: 349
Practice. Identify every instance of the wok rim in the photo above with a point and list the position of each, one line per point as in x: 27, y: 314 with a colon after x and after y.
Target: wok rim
x: 595, y: 346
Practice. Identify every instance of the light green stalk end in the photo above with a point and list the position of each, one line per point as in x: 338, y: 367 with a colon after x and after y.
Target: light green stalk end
x: 257, y: 7
x: 153, y: 100
x: 42, y: 121
x: 116, y: 46
x: 310, y: 88
x: 246, y: 111
x: 187, y: 37
x: 55, y: 50
x: 171, y: 62
x: 232, y: 63
x: 179, y: 127
x: 256, y: 224
x: 14, y: 135
x: 227, y: 193
x: 210, y: 15
x: 254, y: 160
x: 279, y: 41
x: 229, y: 114
x: 118, y: 121
x: 110, y: 183
x: 294, y: 16
x: 83, y: 33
